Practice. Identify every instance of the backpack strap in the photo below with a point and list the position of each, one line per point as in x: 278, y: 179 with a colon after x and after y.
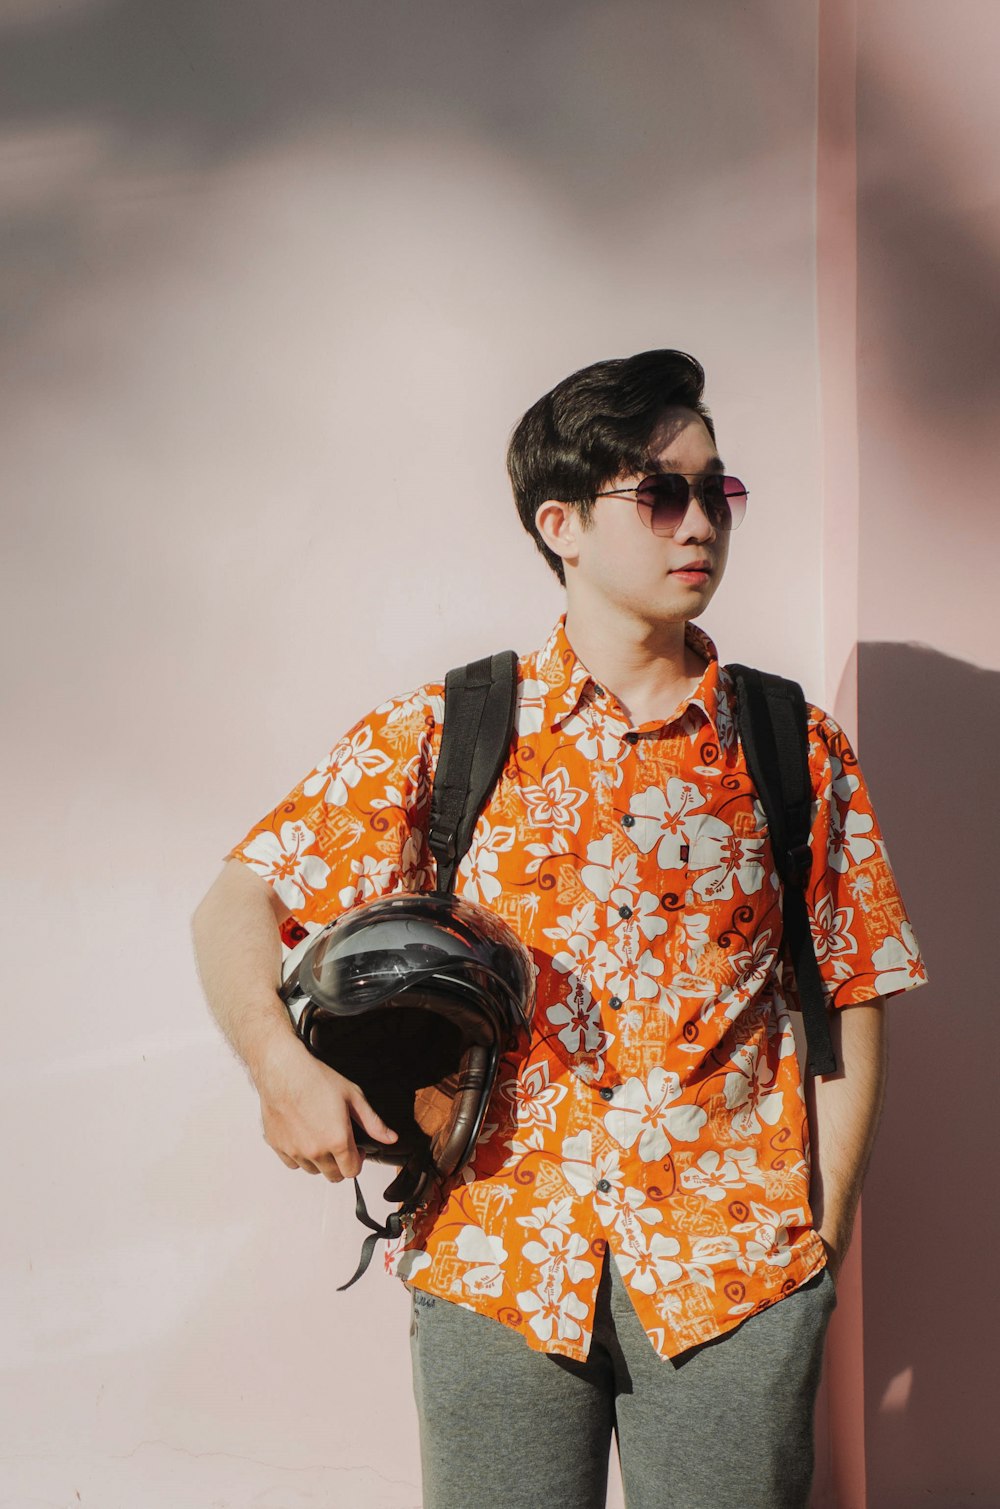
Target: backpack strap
x: 479, y: 703
x: 774, y: 732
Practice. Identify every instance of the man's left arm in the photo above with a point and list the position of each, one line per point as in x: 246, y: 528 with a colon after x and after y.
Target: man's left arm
x: 844, y: 1111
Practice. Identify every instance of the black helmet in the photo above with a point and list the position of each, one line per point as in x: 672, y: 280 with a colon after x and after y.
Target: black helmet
x: 414, y: 997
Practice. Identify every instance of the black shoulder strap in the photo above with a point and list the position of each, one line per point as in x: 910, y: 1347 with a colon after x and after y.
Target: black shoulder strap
x: 774, y: 732
x: 479, y: 703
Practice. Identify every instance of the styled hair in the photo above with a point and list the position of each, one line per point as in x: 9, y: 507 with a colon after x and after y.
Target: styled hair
x: 593, y: 427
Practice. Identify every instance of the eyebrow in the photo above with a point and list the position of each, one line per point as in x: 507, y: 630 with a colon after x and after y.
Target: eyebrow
x: 715, y: 465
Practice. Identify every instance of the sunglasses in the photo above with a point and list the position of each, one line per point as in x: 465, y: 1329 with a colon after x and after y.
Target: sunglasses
x: 662, y: 500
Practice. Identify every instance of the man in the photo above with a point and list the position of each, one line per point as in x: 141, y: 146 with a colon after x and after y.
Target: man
x: 646, y: 1240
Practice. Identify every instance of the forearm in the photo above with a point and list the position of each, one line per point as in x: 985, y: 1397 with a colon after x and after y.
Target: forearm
x: 238, y: 953
x: 844, y: 1111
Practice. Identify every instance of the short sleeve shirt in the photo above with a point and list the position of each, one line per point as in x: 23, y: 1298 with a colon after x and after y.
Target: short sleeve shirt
x: 659, y: 1110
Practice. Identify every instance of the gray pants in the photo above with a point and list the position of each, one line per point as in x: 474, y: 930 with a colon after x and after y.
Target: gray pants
x: 725, y: 1425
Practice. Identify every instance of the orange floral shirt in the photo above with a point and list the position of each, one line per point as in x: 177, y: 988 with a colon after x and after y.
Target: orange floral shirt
x: 660, y: 1108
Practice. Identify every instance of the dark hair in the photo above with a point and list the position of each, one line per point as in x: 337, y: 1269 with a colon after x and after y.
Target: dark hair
x: 595, y: 426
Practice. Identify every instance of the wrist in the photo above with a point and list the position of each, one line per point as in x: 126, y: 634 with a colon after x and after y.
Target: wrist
x: 275, y: 1044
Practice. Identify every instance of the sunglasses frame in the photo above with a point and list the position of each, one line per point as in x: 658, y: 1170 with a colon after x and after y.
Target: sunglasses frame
x: 646, y: 510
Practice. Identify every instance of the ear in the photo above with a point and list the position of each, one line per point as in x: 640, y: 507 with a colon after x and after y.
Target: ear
x: 558, y: 524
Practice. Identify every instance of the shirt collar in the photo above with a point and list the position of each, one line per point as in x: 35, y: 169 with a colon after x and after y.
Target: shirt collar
x: 565, y: 680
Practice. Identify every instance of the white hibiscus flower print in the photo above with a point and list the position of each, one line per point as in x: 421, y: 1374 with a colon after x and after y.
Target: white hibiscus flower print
x: 610, y: 879
x: 715, y: 1174
x: 558, y: 1212
x: 619, y: 973
x: 842, y: 783
x: 723, y: 857
x: 646, y: 1112
x: 662, y: 817
x: 406, y: 1264
x: 559, y: 1251
x: 581, y: 1032
x: 898, y: 962
x: 537, y: 855
x: 750, y: 1094
x: 488, y: 1254
x: 416, y: 875
x: 552, y: 1312
x: 576, y: 933
x: 479, y: 865
x: 283, y: 861
x: 596, y: 734
x: 581, y: 1170
x: 646, y: 917
x: 685, y: 988
x: 646, y: 1268
x: 627, y: 1210
x: 578, y: 1017
x: 350, y: 758
x: 769, y: 1243
x: 372, y: 877
x: 848, y: 842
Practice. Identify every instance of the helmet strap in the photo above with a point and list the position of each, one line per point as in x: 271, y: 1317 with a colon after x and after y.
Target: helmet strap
x: 393, y: 1228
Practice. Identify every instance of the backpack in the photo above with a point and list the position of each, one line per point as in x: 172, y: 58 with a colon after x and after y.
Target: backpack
x: 480, y: 701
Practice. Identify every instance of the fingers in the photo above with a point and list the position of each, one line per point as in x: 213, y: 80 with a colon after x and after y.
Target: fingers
x: 325, y: 1165
x: 369, y: 1117
x: 337, y: 1156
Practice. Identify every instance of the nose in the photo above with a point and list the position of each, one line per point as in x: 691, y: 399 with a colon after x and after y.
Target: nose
x: 695, y: 525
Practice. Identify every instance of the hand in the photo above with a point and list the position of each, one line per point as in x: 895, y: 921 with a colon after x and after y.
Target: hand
x: 306, y: 1109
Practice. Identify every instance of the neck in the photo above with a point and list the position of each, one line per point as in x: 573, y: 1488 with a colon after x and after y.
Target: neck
x: 650, y: 667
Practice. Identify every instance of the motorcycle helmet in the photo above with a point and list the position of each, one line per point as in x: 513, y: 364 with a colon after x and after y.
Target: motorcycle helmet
x: 414, y: 997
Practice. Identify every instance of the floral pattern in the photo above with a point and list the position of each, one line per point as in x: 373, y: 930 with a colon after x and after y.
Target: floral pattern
x: 659, y: 1111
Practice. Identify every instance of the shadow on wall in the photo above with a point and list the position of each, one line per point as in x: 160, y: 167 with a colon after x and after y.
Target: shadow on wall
x: 583, y: 95
x: 930, y: 726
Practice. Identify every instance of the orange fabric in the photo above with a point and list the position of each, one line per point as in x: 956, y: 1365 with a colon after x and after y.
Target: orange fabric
x: 660, y: 1108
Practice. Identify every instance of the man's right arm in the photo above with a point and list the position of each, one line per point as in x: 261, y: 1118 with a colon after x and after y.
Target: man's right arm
x: 238, y: 950
x: 306, y: 1106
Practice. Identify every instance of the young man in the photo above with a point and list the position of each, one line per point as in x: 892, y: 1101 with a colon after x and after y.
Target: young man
x: 646, y: 1240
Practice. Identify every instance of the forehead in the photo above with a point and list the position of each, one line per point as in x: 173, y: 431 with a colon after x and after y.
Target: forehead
x: 680, y: 442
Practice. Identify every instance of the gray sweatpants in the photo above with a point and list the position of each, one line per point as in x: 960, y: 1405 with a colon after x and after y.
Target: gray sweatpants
x: 725, y: 1425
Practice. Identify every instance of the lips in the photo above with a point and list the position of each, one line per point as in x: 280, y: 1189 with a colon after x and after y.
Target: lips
x: 694, y: 566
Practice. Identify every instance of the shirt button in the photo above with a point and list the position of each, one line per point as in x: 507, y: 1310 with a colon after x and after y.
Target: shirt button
x: 603, y: 1186
x: 624, y: 911
x: 631, y: 737
x: 606, y: 1092
x: 628, y: 821
x: 615, y: 1002
x: 598, y: 690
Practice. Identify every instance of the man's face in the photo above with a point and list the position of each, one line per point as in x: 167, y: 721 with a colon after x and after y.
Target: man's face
x: 620, y: 559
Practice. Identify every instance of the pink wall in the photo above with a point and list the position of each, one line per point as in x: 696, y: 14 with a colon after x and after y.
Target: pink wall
x: 282, y: 289
x: 279, y: 291
x: 928, y: 384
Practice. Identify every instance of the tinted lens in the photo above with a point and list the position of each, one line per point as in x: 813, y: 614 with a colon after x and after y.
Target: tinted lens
x: 725, y: 501
x: 663, y: 501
